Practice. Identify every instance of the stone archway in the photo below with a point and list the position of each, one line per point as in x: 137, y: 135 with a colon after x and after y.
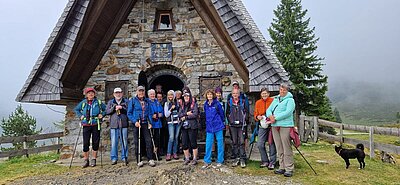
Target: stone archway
x: 170, y: 77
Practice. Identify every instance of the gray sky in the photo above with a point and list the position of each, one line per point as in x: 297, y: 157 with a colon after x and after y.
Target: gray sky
x: 359, y: 40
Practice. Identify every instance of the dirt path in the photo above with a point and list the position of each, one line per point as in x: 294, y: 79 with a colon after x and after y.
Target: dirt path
x: 173, y: 173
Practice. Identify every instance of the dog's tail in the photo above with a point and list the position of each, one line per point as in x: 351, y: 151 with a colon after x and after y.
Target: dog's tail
x: 360, y: 146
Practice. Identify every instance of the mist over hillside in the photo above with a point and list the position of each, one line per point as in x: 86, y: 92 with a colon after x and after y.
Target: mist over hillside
x: 367, y: 103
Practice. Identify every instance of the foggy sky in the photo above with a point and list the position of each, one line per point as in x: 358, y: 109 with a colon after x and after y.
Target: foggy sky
x: 359, y: 40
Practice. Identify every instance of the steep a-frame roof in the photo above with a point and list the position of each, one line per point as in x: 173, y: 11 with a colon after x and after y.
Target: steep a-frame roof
x: 87, y: 28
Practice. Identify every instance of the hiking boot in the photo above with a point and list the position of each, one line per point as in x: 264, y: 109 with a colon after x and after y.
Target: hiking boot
x: 186, y: 162
x: 194, y: 162
x: 263, y: 164
x: 242, y: 163
x: 271, y: 166
x: 152, y: 163
x: 279, y: 171
x: 86, y: 163
x: 175, y: 156
x: 113, y: 162
x: 235, y: 163
x: 125, y: 162
x: 93, y: 163
x: 206, y: 166
x: 288, y: 174
x: 140, y: 164
x: 168, y: 157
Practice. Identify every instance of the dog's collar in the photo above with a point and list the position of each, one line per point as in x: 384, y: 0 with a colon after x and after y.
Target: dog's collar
x: 340, y: 151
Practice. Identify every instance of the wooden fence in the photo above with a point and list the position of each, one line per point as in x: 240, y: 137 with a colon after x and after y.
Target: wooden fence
x: 26, y: 151
x: 309, y: 129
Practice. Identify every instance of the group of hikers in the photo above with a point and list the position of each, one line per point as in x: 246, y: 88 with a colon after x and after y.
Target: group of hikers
x: 178, y: 113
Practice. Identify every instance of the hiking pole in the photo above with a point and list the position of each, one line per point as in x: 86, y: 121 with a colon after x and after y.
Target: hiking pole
x: 76, y: 143
x: 304, y: 158
x: 253, y: 138
x: 154, y: 146
x: 101, y: 150
x: 139, y: 145
x: 122, y: 137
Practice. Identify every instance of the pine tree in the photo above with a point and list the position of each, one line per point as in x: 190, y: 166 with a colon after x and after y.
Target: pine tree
x: 19, y: 123
x: 294, y: 43
x: 337, y: 115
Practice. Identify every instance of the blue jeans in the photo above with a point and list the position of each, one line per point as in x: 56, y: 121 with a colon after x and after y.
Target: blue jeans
x: 115, y: 133
x: 220, y: 145
x: 173, y: 130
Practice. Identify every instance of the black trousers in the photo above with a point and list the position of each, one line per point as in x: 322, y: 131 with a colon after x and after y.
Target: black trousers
x: 144, y: 137
x: 157, y: 137
x: 189, y: 138
x: 91, y: 131
x: 238, y: 136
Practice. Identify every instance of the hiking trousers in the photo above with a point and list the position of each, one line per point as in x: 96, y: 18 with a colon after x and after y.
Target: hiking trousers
x: 284, y: 149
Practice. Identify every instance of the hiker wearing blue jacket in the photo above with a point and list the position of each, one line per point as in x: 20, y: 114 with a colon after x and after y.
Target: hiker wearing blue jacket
x: 157, y: 114
x: 214, y: 127
x: 280, y: 113
x: 91, y: 112
x: 139, y: 115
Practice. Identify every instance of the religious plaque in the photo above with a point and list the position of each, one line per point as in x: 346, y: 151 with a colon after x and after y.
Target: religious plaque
x: 161, y: 52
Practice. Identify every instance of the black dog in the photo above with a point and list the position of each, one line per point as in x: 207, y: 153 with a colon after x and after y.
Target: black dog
x: 347, y: 154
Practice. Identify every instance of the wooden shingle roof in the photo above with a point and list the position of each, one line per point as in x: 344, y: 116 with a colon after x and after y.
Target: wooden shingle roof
x: 264, y: 68
x: 43, y: 83
x: 77, y: 37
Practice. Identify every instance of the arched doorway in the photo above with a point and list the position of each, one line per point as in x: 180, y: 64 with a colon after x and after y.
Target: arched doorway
x: 168, y: 76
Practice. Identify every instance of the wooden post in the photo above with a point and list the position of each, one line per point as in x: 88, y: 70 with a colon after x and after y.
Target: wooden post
x: 25, y: 147
x: 58, y: 142
x: 371, y: 142
x: 301, y: 128
x: 316, y: 129
x: 341, y: 134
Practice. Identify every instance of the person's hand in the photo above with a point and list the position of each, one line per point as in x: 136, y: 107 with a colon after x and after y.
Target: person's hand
x: 172, y: 107
x: 259, y: 117
x: 183, y: 118
x: 100, y: 116
x: 227, y: 127
x: 137, y: 124
x: 159, y: 115
x: 118, y: 107
x: 150, y: 126
x: 82, y: 117
x: 272, y: 118
x: 154, y: 116
x: 189, y: 113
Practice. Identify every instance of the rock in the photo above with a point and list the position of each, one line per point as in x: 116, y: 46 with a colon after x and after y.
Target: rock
x: 113, y: 70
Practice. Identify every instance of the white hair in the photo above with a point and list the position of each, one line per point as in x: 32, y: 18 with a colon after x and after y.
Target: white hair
x: 151, y: 91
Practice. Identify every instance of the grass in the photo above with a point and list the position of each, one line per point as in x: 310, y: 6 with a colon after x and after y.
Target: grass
x: 35, y: 165
x: 333, y: 172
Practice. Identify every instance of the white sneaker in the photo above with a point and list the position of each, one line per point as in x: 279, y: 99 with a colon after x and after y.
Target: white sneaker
x: 140, y: 164
x: 152, y: 163
x: 219, y: 165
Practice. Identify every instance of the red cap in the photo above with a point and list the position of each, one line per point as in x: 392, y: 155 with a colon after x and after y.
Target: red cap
x: 89, y: 89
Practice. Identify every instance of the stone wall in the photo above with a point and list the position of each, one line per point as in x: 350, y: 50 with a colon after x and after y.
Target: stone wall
x: 195, y: 52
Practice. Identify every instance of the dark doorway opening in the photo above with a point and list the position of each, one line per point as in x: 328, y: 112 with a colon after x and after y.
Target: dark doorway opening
x: 168, y: 82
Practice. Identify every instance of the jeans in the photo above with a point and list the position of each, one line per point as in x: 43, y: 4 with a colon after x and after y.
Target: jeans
x: 115, y: 134
x: 238, y: 142
x: 173, y: 130
x: 262, y: 139
x: 220, y: 144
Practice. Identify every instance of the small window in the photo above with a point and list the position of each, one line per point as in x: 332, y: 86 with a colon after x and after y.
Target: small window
x: 163, y: 20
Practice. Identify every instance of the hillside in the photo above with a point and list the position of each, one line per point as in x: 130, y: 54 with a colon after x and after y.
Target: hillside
x: 365, y: 103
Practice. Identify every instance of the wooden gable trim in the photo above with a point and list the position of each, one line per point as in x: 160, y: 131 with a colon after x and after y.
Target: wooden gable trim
x: 207, y: 12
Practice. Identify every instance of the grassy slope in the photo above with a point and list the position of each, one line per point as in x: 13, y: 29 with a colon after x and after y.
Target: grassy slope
x: 34, y: 165
x: 334, y: 172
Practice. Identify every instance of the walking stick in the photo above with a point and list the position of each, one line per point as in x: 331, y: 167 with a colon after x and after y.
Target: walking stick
x: 76, y: 143
x: 101, y: 150
x: 154, y: 146
x: 122, y: 137
x: 253, y: 138
x: 139, y: 145
x: 304, y: 158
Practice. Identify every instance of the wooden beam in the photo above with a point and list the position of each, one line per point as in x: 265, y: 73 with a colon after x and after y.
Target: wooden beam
x: 44, y: 136
x: 208, y: 13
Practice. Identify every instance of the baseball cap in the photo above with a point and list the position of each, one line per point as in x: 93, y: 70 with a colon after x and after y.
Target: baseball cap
x: 88, y: 90
x: 235, y: 83
x: 140, y: 88
x: 117, y: 90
